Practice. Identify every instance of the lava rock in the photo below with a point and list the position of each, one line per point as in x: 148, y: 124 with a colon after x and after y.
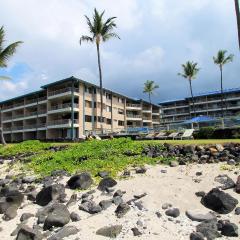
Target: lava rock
x: 26, y: 233
x: 111, y: 231
x: 209, y: 229
x: 141, y: 170
x: 172, y: 212
x: 90, y: 207
x: 81, y: 181
x: 28, y: 179
x: 219, y: 201
x: 238, y: 185
x: 122, y: 209
x: 196, y: 236
x: 106, y: 183
x: 136, y: 232
x: 75, y: 217
x: 104, y: 204
x: 237, y: 211
x: 103, y: 174
x: 10, y: 213
x: 47, y: 194
x: 196, y: 215
x: 26, y: 216
x: 229, y: 229
x: 200, y: 194
x: 226, y: 181
x: 57, y: 217
x: 65, y: 232
x: 117, y: 200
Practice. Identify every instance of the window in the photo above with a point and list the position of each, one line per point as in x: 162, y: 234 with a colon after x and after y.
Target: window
x: 120, y: 111
x: 88, y: 118
x: 108, y: 96
x: 120, y: 123
x: 109, y: 109
x: 120, y: 100
x: 109, y: 121
x: 88, y: 104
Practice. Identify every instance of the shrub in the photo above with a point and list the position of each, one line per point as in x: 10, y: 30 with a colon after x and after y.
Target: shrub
x: 205, y: 133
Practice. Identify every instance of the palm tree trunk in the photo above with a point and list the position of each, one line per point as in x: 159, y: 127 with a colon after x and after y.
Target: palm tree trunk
x: 194, y: 110
x: 101, y: 86
x: 2, y: 140
x: 238, y: 19
x: 221, y: 91
x: 149, y: 95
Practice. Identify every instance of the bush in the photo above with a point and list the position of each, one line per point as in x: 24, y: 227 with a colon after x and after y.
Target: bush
x: 205, y: 133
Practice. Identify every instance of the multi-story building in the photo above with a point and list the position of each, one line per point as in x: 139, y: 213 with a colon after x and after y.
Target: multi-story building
x: 70, y: 108
x: 207, y: 104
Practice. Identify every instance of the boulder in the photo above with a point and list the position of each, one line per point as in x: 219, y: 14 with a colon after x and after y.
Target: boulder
x: 90, y: 207
x: 197, y: 215
x: 237, y: 211
x: 75, y: 217
x: 229, y: 229
x: 110, y: 232
x: 196, y: 236
x: 105, y: 183
x: 58, y: 216
x: 65, y: 232
x: 80, y: 181
x: 219, y: 201
x: 226, y: 181
x: 174, y: 164
x: 172, y: 212
x: 136, y: 232
x: 122, y: 209
x: 50, y: 193
x: 103, y: 174
x: 141, y: 170
x: 26, y: 233
x: 238, y: 185
x: 10, y: 213
x: 209, y: 229
x: 104, y: 204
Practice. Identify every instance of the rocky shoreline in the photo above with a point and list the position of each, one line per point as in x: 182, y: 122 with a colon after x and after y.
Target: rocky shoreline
x: 190, y: 199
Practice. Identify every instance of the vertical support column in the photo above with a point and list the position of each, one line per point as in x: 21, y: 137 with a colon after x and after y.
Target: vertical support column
x: 141, y: 104
x: 93, y: 110
x: 72, y: 111
x: 83, y: 109
x: 111, y: 112
x: 125, y: 114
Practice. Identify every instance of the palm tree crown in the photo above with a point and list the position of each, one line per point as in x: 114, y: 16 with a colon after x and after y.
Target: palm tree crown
x: 149, y: 87
x: 6, y: 52
x: 99, y: 30
x: 221, y: 58
x: 190, y: 72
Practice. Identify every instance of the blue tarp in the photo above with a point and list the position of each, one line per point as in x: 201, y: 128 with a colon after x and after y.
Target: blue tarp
x: 200, y: 119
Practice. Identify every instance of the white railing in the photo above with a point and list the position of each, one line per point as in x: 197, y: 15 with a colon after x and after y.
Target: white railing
x: 133, y: 105
x: 63, y: 90
x: 62, y: 106
x: 62, y: 122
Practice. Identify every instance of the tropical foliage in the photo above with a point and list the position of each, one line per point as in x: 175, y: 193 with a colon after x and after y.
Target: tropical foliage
x: 190, y: 71
x: 221, y: 59
x: 149, y: 87
x: 100, y: 31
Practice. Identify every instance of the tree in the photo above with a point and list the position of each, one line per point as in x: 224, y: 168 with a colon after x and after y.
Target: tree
x: 149, y: 87
x: 238, y: 19
x: 221, y: 59
x: 190, y: 72
x: 100, y: 31
x: 5, y: 54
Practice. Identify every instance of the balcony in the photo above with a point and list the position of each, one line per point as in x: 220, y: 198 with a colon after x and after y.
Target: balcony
x: 134, y: 117
x: 66, y: 107
x: 62, y: 123
x: 34, y: 101
x: 133, y: 106
x: 62, y: 92
x: 147, y: 110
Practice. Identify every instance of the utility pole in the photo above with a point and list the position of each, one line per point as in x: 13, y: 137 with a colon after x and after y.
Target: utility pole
x: 237, y: 4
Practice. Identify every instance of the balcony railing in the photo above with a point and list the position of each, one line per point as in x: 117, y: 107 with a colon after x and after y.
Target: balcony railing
x: 62, y: 122
x: 133, y: 105
x: 63, y: 90
x: 133, y: 116
x: 62, y: 106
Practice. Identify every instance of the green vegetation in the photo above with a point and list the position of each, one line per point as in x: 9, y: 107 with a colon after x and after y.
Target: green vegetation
x: 93, y: 156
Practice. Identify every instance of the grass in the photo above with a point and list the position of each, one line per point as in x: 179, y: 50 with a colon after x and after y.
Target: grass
x: 92, y: 156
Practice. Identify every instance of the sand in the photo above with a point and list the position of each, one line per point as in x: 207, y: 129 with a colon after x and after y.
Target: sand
x: 177, y: 186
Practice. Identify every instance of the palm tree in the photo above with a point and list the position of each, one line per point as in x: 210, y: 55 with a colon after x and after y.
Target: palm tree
x: 238, y: 19
x: 100, y: 31
x: 5, y: 54
x: 221, y: 59
x: 190, y: 72
x: 149, y: 87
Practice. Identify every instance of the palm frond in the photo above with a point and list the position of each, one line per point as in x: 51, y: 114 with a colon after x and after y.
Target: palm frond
x: 109, y: 36
x: 190, y: 70
x: 5, y: 78
x: 8, y: 52
x: 221, y: 58
x: 85, y: 38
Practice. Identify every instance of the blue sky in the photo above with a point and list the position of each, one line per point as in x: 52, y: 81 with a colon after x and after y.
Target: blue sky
x: 157, y: 36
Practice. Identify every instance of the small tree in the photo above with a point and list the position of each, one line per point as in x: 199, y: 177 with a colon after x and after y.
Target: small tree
x: 5, y: 54
x: 190, y: 72
x: 100, y: 31
x: 221, y: 59
x: 149, y: 87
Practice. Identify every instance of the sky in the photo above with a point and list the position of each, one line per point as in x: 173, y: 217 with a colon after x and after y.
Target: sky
x: 157, y: 36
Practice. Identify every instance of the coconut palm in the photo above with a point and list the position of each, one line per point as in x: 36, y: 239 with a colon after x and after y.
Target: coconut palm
x: 221, y: 59
x: 190, y: 72
x: 238, y: 18
x: 149, y: 87
x: 100, y: 31
x: 5, y: 54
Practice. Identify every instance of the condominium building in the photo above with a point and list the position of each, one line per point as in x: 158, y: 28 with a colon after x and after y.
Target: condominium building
x: 70, y: 108
x: 207, y: 104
